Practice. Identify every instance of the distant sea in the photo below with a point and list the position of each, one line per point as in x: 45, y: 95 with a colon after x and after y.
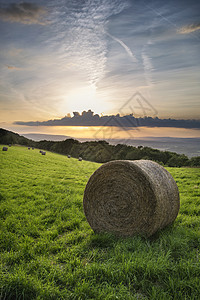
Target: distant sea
x: 187, y: 146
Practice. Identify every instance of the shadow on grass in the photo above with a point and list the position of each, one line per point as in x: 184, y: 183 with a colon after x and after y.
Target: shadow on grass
x: 175, y: 238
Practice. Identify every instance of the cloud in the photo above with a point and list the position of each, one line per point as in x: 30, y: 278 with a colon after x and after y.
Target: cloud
x: 128, y: 121
x: 23, y: 12
x: 189, y: 28
x: 12, y: 67
x: 148, y: 68
x: 80, y: 27
x: 127, y: 49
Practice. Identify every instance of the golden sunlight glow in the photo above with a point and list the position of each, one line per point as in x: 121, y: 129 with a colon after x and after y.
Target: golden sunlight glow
x: 83, y: 98
x: 100, y: 132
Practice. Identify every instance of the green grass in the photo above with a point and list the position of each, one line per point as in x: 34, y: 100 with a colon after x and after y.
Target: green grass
x: 48, y: 250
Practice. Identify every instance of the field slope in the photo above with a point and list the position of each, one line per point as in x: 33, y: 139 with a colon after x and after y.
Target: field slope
x: 48, y: 250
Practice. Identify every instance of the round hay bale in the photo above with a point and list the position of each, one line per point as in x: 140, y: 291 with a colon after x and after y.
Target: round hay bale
x: 131, y: 198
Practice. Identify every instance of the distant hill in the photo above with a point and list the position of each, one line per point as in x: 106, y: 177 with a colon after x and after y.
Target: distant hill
x: 101, y: 151
x: 48, y: 137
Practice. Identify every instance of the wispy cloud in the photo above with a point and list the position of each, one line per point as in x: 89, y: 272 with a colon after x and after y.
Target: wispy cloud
x: 127, y: 49
x: 12, y: 67
x: 148, y: 67
x: 81, y: 29
x: 24, y: 12
x: 189, y: 28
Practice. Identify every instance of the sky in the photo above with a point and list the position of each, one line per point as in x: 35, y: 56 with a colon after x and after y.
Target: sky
x: 110, y: 56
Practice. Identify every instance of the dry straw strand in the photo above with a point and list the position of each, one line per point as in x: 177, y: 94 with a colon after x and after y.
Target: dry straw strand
x: 131, y: 198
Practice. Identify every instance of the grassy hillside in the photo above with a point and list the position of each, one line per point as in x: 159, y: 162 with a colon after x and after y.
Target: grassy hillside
x: 102, y: 151
x: 48, y: 250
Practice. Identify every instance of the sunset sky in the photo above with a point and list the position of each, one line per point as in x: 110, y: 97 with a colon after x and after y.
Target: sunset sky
x: 57, y: 57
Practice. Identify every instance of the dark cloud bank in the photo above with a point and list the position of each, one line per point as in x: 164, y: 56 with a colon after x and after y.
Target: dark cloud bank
x: 90, y: 119
x: 23, y: 12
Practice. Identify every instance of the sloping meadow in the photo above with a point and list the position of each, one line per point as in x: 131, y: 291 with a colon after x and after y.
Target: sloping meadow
x: 48, y: 250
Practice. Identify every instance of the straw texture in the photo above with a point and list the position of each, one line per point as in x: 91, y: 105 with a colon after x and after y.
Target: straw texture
x: 131, y: 198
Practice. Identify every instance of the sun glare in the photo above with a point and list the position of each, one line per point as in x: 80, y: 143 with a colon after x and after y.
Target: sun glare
x: 83, y: 98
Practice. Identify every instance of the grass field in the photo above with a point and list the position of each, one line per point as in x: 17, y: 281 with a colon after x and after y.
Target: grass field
x: 48, y: 250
